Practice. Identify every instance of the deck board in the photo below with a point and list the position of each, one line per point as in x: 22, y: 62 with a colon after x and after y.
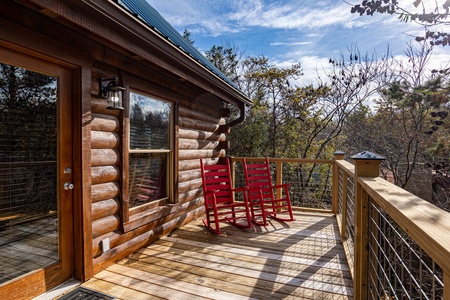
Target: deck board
x: 284, y: 260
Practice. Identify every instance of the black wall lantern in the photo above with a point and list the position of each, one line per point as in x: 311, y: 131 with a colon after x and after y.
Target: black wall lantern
x: 110, y: 90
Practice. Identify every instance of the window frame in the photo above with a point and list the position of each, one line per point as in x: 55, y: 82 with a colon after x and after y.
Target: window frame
x: 133, y: 217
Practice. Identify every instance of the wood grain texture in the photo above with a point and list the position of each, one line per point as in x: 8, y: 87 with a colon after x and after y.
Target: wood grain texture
x: 102, y: 140
x: 189, y: 144
x: 105, y: 123
x: 346, y: 167
x: 103, y: 174
x: 105, y: 157
x: 446, y: 284
x: 200, y: 135
x: 105, y: 225
x: 104, y: 191
x: 186, y: 122
x: 300, y: 260
x: 428, y: 225
x: 197, y: 154
x: 105, y: 208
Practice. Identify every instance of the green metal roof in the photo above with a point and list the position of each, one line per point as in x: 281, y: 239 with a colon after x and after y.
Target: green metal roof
x: 144, y: 11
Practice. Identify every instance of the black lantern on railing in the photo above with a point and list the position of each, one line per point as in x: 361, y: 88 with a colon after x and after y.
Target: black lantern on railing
x: 110, y: 90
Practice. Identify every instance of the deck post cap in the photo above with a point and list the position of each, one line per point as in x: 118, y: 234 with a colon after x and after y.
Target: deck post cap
x: 367, y: 155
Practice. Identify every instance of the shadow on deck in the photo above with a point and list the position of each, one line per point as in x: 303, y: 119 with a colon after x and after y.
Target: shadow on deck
x: 286, y: 260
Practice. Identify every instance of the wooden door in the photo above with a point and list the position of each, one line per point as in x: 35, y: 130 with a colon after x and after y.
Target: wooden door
x: 36, y: 214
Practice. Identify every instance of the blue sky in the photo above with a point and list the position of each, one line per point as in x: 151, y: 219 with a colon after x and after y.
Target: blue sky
x: 291, y: 31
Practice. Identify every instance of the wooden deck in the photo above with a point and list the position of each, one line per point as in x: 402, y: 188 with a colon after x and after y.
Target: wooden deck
x: 292, y: 260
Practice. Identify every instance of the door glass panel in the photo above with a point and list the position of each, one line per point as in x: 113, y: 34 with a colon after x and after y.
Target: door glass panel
x: 28, y: 171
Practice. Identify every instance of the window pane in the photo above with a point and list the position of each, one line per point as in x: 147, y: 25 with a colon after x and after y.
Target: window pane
x: 147, y: 180
x: 149, y: 123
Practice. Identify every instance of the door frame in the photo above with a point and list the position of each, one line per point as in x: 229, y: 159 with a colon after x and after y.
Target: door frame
x: 39, y: 281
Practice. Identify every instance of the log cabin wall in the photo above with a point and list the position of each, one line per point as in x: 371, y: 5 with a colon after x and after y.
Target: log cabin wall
x: 197, y: 135
x: 59, y: 31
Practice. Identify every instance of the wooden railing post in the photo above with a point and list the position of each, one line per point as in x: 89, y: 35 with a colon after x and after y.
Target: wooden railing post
x: 338, y: 155
x: 279, y: 179
x: 446, y: 286
x: 367, y: 164
x: 233, y: 172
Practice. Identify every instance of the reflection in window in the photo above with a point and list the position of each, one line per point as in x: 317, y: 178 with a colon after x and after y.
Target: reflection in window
x: 149, y: 151
x: 28, y: 170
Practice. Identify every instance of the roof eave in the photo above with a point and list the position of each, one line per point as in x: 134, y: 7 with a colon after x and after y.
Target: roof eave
x: 196, y: 73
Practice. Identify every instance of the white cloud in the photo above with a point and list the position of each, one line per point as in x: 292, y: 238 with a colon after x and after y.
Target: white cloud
x: 215, y: 18
x: 307, y: 31
x: 200, y: 16
x: 313, y: 68
x: 314, y: 35
x: 292, y: 15
x: 440, y: 58
x: 290, y: 44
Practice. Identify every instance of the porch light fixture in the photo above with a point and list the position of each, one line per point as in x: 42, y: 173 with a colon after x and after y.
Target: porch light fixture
x: 110, y: 90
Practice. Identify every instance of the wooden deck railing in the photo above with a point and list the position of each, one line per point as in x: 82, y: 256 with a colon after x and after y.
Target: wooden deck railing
x: 310, y: 179
x: 397, y: 244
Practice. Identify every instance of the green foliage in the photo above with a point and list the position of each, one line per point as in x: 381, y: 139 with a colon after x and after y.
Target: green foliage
x: 250, y: 139
x: 225, y: 59
x: 406, y: 128
x: 291, y: 121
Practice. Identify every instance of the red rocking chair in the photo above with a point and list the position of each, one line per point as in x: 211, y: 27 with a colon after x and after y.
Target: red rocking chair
x: 219, y: 199
x: 261, y: 194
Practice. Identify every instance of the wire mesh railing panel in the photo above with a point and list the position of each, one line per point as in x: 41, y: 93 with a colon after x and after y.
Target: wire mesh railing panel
x: 350, y: 225
x: 310, y: 184
x: 239, y: 179
x: 350, y: 218
x: 398, y: 266
x: 340, y: 191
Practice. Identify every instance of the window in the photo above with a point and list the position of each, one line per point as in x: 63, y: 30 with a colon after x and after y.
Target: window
x: 150, y: 153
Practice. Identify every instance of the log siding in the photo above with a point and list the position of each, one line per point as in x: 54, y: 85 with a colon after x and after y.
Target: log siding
x: 198, y: 136
x: 96, y: 39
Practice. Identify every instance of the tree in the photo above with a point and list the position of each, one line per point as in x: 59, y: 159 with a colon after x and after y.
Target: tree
x: 410, y: 109
x: 187, y: 36
x: 355, y: 80
x: 424, y: 16
x: 226, y: 59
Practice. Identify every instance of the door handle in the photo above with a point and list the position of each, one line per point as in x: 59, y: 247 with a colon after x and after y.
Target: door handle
x: 68, y: 186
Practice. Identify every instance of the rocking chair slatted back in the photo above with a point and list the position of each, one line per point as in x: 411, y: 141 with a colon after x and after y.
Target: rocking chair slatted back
x: 262, y: 199
x: 219, y: 198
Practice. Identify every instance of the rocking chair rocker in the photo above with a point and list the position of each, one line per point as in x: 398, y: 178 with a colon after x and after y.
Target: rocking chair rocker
x: 220, y: 205
x: 261, y: 195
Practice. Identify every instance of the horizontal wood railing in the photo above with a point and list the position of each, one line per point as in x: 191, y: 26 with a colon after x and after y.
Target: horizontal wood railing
x: 397, y: 244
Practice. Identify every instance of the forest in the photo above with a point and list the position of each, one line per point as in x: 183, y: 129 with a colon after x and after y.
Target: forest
x: 396, y: 108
